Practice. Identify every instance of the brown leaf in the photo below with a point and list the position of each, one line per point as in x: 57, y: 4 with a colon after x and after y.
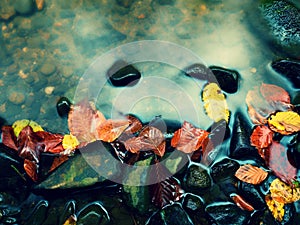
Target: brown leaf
x: 261, y: 137
x: 83, y: 120
x: 110, y: 130
x: 240, y: 202
x: 188, y: 138
x: 251, y: 174
x: 8, y: 137
x: 135, y: 124
x: 31, y: 168
x: 273, y: 93
x: 58, y: 161
x: 50, y: 142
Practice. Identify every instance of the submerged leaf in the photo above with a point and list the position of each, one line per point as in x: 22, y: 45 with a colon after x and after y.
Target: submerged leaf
x: 261, y: 137
x: 110, y: 130
x: 283, y: 193
x: 276, y: 208
x: 188, y: 138
x: 83, y: 120
x: 251, y: 174
x: 278, y: 162
x: 215, y: 103
x: 285, y: 122
x: 70, y: 142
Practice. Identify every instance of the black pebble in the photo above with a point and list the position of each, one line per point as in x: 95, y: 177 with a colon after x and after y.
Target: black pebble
x: 289, y: 69
x: 63, y: 106
x: 128, y: 75
x: 227, y: 79
x: 199, y: 71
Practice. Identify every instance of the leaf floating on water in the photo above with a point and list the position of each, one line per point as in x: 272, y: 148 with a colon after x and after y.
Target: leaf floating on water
x: 251, y: 174
x: 19, y: 125
x: 261, y: 137
x: 276, y: 208
x: 189, y: 139
x: 285, y: 122
x: 215, y: 103
x: 31, y: 168
x: 50, y: 142
x: 281, y: 192
x: 83, y: 120
x: 70, y: 142
x: 135, y: 124
x: 264, y: 100
x: 110, y: 130
x: 273, y: 93
x: 278, y: 162
x: 8, y: 137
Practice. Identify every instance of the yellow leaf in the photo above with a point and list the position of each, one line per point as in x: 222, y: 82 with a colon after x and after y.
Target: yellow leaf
x: 72, y: 220
x: 276, y: 208
x: 20, y: 124
x: 70, y: 142
x: 251, y: 174
x: 215, y: 103
x: 284, y: 193
x: 285, y: 122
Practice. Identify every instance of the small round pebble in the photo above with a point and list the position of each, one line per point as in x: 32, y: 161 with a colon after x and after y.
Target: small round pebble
x: 16, y: 97
x: 48, y: 68
x: 49, y: 90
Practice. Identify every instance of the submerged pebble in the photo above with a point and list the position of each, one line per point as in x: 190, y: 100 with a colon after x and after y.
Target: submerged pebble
x: 227, y: 79
x: 63, y: 106
x: 197, y: 179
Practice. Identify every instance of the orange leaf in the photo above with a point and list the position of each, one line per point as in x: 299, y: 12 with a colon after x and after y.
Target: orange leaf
x: 58, y: 161
x: 188, y: 138
x: 261, y: 137
x: 31, y: 168
x: 251, y: 174
x: 110, y: 130
x: 135, y: 124
x: 240, y: 202
x: 83, y: 120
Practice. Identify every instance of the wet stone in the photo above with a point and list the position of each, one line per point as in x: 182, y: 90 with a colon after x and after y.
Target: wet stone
x: 170, y: 215
x: 199, y: 71
x: 16, y: 97
x: 288, y: 68
x: 227, y: 79
x: 7, y: 10
x: 224, y: 213
x: 24, y: 7
x: 125, y: 3
x: 48, y: 68
x: 63, y: 106
x: 128, y: 75
x: 93, y: 213
x: 196, y: 179
x: 223, y: 169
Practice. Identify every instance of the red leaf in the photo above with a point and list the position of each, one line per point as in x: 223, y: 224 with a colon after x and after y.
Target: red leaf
x: 50, y: 142
x: 83, y: 120
x: 8, y: 137
x: 135, y: 124
x: 150, y: 138
x: 188, y: 138
x: 58, y: 161
x: 27, y: 143
x: 166, y: 191
x: 273, y: 93
x: 110, y: 130
x: 31, y: 168
x: 261, y: 137
x: 278, y: 162
x: 264, y: 100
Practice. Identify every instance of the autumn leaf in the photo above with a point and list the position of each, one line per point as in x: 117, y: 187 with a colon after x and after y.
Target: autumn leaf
x: 251, y: 174
x: 50, y: 142
x: 166, y: 191
x: 8, y: 137
x: 264, y: 100
x: 20, y: 124
x: 240, y: 202
x: 72, y: 220
x: 278, y: 162
x: 215, y: 103
x: 135, y: 124
x: 83, y: 119
x: 188, y: 138
x: 58, y: 160
x: 110, y: 130
x: 261, y: 137
x: 31, y: 169
x: 283, y: 193
x: 285, y: 122
x: 276, y: 208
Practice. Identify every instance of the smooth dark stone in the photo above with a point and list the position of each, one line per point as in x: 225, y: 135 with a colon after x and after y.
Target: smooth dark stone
x: 194, y: 206
x: 128, y: 75
x: 200, y: 72
x: 223, y: 169
x: 288, y: 68
x: 24, y: 7
x: 125, y: 3
x: 227, y: 79
x: 250, y: 193
x: 196, y: 179
x: 225, y: 213
x: 240, y: 147
x: 63, y: 106
x: 93, y: 213
x: 170, y: 215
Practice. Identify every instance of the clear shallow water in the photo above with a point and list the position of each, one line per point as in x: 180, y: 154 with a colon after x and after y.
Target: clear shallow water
x: 68, y: 36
